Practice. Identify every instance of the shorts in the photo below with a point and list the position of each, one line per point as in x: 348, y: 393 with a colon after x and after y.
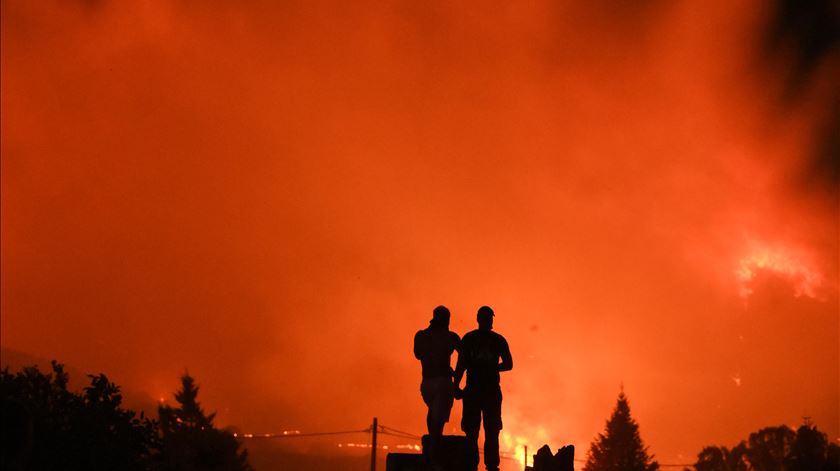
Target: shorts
x: 438, y: 394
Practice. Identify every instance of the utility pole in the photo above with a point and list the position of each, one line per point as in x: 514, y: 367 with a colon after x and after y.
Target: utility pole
x: 373, y: 430
x: 526, y: 458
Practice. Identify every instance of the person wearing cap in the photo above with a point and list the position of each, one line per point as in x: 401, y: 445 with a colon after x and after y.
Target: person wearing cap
x: 433, y: 346
x: 483, y: 354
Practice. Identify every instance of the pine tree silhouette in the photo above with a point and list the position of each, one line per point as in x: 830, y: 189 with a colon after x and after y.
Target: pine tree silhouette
x: 620, y: 447
x: 190, y: 442
x: 189, y: 414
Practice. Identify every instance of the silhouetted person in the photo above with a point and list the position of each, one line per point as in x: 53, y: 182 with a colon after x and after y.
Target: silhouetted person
x: 433, y: 346
x: 483, y: 354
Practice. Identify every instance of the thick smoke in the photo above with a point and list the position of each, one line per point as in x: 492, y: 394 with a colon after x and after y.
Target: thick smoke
x: 275, y: 197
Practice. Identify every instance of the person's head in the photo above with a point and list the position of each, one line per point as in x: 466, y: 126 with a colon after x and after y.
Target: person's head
x: 440, y: 317
x: 485, y: 318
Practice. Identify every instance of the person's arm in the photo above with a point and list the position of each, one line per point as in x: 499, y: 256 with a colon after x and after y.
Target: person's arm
x: 459, y: 370
x: 460, y: 366
x: 507, y: 359
x: 418, y: 345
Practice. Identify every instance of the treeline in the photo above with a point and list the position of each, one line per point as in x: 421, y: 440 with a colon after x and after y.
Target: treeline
x: 775, y: 449
x: 45, y: 426
x: 620, y: 448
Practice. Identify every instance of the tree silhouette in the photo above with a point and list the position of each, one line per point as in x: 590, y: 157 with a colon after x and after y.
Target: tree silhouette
x: 713, y: 458
x: 768, y: 448
x: 620, y: 447
x: 190, y: 441
x: 775, y: 449
x: 809, y: 449
x: 47, y: 427
x: 190, y: 414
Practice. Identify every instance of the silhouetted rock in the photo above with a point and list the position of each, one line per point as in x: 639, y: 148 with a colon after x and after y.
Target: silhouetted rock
x: 544, y: 460
x: 564, y: 460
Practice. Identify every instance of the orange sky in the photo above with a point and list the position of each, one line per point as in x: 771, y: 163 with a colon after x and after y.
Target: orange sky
x: 275, y: 198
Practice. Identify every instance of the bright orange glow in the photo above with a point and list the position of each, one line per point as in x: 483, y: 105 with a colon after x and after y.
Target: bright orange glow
x: 514, y: 445
x: 273, y: 196
x: 806, y: 280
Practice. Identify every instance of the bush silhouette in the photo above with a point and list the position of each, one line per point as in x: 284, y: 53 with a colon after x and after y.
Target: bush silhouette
x: 45, y: 426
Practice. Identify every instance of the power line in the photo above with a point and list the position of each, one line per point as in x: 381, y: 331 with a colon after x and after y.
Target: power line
x: 390, y: 431
x: 398, y: 435
x: 297, y: 434
x: 393, y: 431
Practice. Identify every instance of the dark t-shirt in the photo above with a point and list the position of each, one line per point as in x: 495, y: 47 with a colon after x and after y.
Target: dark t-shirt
x: 482, y: 351
x: 433, y: 347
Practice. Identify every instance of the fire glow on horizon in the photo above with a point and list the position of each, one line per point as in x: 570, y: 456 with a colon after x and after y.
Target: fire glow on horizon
x: 274, y: 195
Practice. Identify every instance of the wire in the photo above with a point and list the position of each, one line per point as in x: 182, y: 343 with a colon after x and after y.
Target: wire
x: 406, y: 434
x: 399, y: 436
x: 390, y: 431
x: 296, y: 435
x: 385, y: 430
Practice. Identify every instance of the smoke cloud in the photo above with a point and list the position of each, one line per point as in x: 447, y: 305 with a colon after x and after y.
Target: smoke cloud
x: 275, y: 196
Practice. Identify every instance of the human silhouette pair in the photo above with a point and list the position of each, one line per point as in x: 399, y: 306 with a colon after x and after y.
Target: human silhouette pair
x: 482, y: 355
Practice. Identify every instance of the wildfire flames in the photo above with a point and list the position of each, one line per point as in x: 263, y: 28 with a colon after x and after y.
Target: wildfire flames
x: 515, y: 445
x: 806, y: 280
x: 275, y: 195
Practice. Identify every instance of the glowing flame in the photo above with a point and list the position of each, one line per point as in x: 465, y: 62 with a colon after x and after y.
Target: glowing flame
x: 378, y: 447
x: 514, y: 445
x: 414, y: 447
x: 805, y: 279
